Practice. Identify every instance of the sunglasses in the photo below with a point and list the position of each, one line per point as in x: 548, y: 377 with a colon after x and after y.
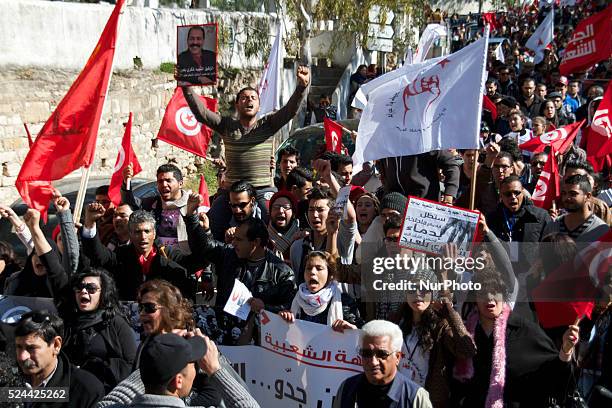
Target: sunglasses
x: 510, y: 194
x: 89, y: 287
x: 379, y: 354
x: 148, y: 308
x: 240, y: 205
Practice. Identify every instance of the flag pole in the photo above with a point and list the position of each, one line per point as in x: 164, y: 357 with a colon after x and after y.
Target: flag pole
x: 78, y: 206
x: 473, y: 181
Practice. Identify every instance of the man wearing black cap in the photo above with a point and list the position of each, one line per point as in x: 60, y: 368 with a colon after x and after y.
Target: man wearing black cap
x: 167, y: 369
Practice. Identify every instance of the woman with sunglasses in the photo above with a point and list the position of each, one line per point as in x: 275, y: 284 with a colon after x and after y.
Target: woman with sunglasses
x: 163, y: 309
x: 98, y: 338
x: 319, y: 299
x: 432, y: 338
x: 516, y: 363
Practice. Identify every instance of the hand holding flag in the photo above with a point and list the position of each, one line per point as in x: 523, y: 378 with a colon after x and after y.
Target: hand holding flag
x: 126, y: 162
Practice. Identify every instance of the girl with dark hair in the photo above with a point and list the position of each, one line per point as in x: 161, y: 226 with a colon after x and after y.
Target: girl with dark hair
x: 98, y: 338
x: 550, y: 113
x: 432, y: 338
x: 319, y: 298
x: 516, y: 364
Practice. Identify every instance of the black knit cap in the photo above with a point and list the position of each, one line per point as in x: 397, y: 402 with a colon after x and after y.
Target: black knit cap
x: 394, y: 201
x: 165, y: 355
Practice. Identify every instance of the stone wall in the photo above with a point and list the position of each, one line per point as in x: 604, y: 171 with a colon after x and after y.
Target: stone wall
x: 30, y: 95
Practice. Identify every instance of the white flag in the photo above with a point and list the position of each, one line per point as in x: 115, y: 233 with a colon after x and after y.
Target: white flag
x: 499, y: 53
x: 430, y: 35
x: 269, y: 86
x: 423, y: 107
x: 542, y: 36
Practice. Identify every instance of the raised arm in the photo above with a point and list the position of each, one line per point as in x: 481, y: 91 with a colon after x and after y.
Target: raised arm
x: 20, y: 228
x: 70, y: 241
x: 287, y: 112
x: 201, y: 112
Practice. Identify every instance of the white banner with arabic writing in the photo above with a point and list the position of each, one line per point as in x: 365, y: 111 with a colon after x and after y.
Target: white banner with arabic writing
x: 428, y: 226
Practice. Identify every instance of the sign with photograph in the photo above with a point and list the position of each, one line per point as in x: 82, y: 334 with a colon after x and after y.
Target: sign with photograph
x: 428, y: 225
x: 196, y: 50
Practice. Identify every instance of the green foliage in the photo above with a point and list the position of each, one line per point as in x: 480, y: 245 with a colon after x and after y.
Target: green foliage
x: 167, y: 67
x: 237, y: 5
x: 258, y: 39
x: 210, y: 175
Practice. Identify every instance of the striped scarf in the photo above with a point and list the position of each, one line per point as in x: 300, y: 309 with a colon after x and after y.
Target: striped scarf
x: 282, y: 241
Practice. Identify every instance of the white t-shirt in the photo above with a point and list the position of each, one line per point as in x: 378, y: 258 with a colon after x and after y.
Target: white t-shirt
x: 415, y: 364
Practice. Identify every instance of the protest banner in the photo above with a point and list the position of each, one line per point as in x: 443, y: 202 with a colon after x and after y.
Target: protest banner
x: 428, y: 225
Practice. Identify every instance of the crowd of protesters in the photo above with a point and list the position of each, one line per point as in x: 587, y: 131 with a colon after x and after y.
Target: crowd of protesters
x: 302, y: 259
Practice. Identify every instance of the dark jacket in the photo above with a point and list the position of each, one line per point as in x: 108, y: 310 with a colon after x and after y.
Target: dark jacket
x: 528, y: 226
x: 84, y: 389
x: 486, y: 198
x: 403, y: 393
x: 125, y: 268
x: 533, y: 368
x: 418, y: 175
x: 275, y: 284
x: 532, y: 110
x: 103, y: 346
x: 27, y: 283
x: 190, y: 71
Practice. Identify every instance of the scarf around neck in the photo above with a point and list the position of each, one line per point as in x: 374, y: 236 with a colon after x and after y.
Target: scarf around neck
x: 315, y: 303
x: 464, y: 367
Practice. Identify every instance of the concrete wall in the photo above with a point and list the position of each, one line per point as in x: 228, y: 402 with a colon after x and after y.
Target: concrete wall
x: 462, y: 6
x: 63, y: 35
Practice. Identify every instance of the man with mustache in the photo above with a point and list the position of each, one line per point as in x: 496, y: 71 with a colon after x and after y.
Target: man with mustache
x: 197, y: 65
x: 38, y: 344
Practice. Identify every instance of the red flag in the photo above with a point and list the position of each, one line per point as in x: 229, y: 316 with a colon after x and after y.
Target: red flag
x: 491, y: 19
x: 180, y: 127
x: 589, y: 44
x: 599, y: 134
x: 30, y: 141
x: 67, y: 141
x: 333, y: 135
x: 559, y: 139
x: 547, y: 188
x: 487, y: 104
x: 570, y: 290
x: 203, y: 191
x: 125, y: 156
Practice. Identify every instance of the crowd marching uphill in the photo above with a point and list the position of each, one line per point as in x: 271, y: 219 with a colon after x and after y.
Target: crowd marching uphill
x: 458, y: 258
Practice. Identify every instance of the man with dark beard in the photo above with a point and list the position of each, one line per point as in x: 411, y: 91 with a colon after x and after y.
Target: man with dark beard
x: 283, y: 223
x: 580, y: 223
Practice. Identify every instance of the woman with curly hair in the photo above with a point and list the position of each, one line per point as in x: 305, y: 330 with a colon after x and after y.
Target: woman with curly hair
x: 163, y: 309
x: 432, y: 338
x: 319, y: 299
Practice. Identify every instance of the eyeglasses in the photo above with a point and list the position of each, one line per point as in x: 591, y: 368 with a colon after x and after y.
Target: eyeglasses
x: 379, y: 354
x: 286, y: 207
x: 148, y: 308
x: 242, y: 206
x: 509, y: 194
x: 419, y: 292
x: 91, y: 288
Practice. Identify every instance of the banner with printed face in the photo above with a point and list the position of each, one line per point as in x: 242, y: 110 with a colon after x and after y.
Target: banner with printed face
x: 428, y: 225
x: 196, y: 50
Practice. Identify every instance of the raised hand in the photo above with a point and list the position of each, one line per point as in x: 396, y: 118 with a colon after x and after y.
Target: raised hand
x: 93, y: 212
x: 303, y: 75
x: 128, y: 172
x: 193, y: 202
x: 61, y: 204
x: 287, y: 316
x: 32, y: 219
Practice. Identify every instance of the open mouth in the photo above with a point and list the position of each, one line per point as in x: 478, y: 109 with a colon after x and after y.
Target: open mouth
x: 84, y: 301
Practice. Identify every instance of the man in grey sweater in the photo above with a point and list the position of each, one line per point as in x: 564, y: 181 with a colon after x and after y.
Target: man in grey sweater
x: 167, y: 370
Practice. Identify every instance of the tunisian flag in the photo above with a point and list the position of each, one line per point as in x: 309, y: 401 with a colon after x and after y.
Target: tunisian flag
x: 589, y: 44
x: 569, y: 291
x: 125, y: 156
x: 547, y: 187
x: 559, y: 139
x: 67, y: 141
x: 180, y: 127
x: 599, y: 137
x: 333, y: 135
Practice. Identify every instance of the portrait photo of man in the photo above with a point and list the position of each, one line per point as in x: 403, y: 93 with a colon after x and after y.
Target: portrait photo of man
x: 197, y: 56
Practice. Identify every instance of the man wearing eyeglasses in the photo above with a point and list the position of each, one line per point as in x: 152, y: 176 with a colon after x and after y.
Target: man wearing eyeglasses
x: 381, y: 385
x: 283, y: 223
x: 38, y: 345
x: 517, y: 220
